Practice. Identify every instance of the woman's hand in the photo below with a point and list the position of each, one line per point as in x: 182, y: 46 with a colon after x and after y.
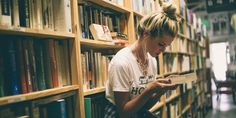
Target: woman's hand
x: 160, y: 86
x: 157, y: 89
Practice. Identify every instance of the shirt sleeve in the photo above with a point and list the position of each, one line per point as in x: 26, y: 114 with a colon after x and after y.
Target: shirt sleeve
x: 119, y: 76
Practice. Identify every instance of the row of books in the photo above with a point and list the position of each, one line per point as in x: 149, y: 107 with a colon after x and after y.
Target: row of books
x: 144, y: 6
x: 174, y: 63
x: 52, y: 15
x: 199, y: 25
x: 94, y: 106
x: 58, y: 109
x: 94, y: 14
x: 173, y: 110
x: 118, y: 2
x: 183, y: 46
x: 94, y: 69
x: 29, y: 64
x: 220, y: 23
x: 192, y: 101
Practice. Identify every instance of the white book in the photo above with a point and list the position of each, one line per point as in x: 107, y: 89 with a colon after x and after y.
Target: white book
x: 15, y: 9
x: 62, y: 15
x: 31, y: 14
x: 120, y: 2
x: 100, y: 32
x: 182, y: 79
x: 5, y: 13
x: 39, y: 14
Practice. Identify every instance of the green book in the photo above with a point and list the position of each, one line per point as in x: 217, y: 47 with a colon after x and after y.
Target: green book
x: 88, y: 107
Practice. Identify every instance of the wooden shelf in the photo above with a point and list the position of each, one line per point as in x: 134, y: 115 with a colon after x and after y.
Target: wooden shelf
x: 110, y: 5
x: 156, y: 106
x: 36, y: 95
x: 174, y: 52
x: 170, y: 73
x: 10, y: 30
x: 172, y: 97
x: 186, y: 109
x: 138, y: 14
x: 100, y: 44
x: 94, y: 91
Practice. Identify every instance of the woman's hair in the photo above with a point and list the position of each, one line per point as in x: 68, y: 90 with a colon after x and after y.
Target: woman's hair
x: 160, y: 23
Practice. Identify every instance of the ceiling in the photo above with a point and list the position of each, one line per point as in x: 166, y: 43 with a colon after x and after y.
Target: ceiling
x: 196, y: 5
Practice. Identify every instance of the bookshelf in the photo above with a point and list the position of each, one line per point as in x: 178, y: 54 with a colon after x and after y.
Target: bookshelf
x: 87, y: 59
x: 33, y: 53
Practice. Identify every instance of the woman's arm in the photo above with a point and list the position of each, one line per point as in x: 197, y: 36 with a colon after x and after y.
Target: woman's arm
x: 127, y: 107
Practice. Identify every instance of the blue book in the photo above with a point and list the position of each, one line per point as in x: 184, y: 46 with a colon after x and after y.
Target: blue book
x: 12, y: 74
x: 57, y: 109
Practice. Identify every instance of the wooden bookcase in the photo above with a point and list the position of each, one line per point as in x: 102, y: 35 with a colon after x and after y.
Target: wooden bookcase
x: 81, y: 44
x: 35, y: 103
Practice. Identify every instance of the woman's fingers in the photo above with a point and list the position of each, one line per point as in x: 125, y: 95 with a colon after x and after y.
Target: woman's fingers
x: 163, y: 81
x: 167, y: 86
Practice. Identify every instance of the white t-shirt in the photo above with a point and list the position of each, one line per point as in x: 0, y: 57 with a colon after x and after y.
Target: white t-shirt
x: 125, y: 75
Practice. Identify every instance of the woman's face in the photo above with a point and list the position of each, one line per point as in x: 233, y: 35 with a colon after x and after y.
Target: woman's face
x: 158, y: 45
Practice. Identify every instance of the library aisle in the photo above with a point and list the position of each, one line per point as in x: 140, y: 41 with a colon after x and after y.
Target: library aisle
x: 223, y: 108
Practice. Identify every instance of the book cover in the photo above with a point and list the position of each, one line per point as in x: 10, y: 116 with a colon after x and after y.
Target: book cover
x: 57, y: 109
x: 47, y: 65
x: 40, y: 74
x: 12, y: 68
x: 27, y: 66
x: 5, y: 13
x: 100, y: 32
x: 24, y: 88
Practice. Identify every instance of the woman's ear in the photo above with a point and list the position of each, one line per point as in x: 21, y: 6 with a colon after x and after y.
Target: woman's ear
x: 145, y: 34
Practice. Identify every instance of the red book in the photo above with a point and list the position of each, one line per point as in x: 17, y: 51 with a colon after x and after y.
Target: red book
x: 53, y: 63
x: 22, y: 67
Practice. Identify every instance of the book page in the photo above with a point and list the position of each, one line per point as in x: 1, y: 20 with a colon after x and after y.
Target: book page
x: 181, y: 79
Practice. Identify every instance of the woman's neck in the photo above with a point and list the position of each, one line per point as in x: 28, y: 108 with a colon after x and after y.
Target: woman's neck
x: 140, y: 52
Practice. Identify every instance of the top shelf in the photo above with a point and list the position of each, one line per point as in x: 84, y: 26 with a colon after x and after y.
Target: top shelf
x: 36, y: 95
x: 9, y: 30
x: 110, y: 5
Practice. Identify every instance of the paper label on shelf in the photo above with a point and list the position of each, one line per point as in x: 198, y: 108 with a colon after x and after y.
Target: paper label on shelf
x: 16, y: 100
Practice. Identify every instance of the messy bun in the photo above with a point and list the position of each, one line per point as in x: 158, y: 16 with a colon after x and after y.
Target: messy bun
x: 160, y: 23
x: 170, y: 11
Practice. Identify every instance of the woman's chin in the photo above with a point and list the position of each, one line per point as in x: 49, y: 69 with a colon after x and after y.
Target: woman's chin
x: 155, y: 54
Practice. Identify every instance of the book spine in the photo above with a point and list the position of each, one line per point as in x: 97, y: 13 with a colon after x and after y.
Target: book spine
x: 5, y: 13
x: 47, y: 66
x: 12, y: 68
x: 40, y: 65
x: 27, y: 66
x: 22, y: 67
x: 53, y: 62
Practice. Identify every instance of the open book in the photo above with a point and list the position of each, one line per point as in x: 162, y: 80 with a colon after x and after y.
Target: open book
x: 181, y: 79
x: 100, y: 32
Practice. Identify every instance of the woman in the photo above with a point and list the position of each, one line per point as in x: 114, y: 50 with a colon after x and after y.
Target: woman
x: 132, y: 84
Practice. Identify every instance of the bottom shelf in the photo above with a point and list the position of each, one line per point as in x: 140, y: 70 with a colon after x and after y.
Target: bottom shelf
x: 56, y: 105
x: 36, y: 95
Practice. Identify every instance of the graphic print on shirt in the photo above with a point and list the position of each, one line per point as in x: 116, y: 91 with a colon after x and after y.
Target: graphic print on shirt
x: 138, y: 87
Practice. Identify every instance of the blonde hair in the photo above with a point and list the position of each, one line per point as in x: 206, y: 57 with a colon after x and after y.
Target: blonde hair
x: 160, y: 23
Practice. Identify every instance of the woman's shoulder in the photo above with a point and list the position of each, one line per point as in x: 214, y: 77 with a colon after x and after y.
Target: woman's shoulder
x: 123, y: 56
